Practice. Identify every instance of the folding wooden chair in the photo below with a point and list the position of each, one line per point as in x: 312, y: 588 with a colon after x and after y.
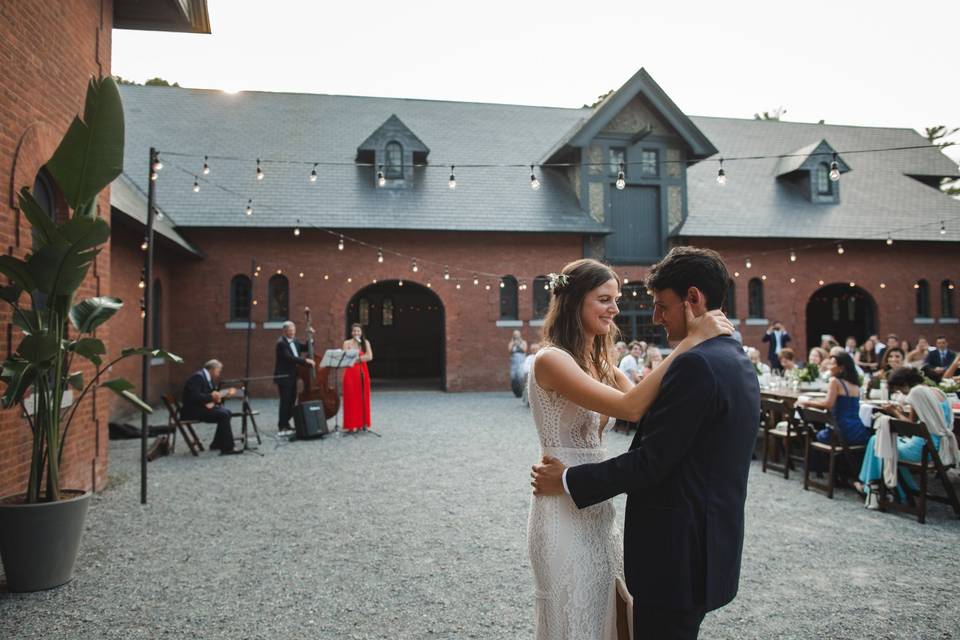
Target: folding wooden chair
x: 929, y: 461
x: 778, y: 426
x: 813, y: 421
x: 185, y: 427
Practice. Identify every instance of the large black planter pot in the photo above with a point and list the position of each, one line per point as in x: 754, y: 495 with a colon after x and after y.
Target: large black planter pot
x: 39, y: 542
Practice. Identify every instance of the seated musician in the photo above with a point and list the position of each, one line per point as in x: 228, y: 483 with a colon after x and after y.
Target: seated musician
x: 202, y: 400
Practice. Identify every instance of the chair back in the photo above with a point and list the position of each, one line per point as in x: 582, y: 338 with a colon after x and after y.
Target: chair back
x: 773, y: 410
x: 914, y: 429
x: 173, y: 407
x: 818, y: 418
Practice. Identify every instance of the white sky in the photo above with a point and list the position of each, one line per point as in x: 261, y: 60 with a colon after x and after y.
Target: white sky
x: 879, y: 63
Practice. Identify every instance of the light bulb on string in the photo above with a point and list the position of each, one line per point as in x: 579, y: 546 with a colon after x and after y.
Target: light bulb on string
x: 916, y: 285
x: 313, y: 173
x: 834, y: 169
x: 621, y: 179
x: 446, y: 273
x: 943, y: 228
x: 458, y: 285
x: 249, y: 209
x: 259, y: 170
x: 400, y: 283
x: 145, y: 244
x: 196, y: 184
x: 763, y: 277
x: 487, y: 286
x: 736, y: 274
x: 889, y: 240
x: 853, y: 284
x: 157, y: 164
x: 534, y: 183
x: 153, y: 176
x: 452, y: 182
x: 296, y: 229
x: 476, y: 280
x: 883, y: 285
x: 326, y: 276
x: 839, y: 249
x: 340, y: 243
x: 301, y: 274
x: 206, y: 166
x: 821, y: 282
x: 721, y: 175
x: 634, y: 292
x: 413, y: 266
x: 793, y: 256
x: 502, y: 285
x: 748, y: 263
x: 429, y: 285
x: 380, y: 255
x: 951, y: 286
x: 793, y: 280
x: 381, y: 180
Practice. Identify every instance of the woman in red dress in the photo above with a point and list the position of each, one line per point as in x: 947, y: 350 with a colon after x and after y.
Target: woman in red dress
x: 356, y: 383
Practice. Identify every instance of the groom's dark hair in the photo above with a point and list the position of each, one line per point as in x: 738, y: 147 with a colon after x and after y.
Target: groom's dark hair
x: 686, y: 267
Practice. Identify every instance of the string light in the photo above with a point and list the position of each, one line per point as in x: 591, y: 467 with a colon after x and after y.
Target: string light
x: 916, y: 285
x: 889, y: 240
x: 259, y: 170
x: 381, y: 180
x: 736, y: 274
x: 380, y: 256
x: 452, y: 182
x: 834, y: 169
x: 206, y: 166
x: 255, y: 302
x: 413, y: 266
x: 446, y: 273
x: 534, y: 183
x: 349, y: 279
x: 621, y: 179
x: 821, y: 283
x: 793, y: 256
x: 626, y: 280
x: 840, y: 248
x: 301, y: 274
x: 142, y: 284
x: 326, y: 276
x: 853, y: 284
x: 313, y: 173
x: 476, y: 280
x: 458, y: 285
x: 487, y: 286
x: 249, y: 210
x: 634, y: 293
x: 145, y: 244
x: 279, y: 272
x: 296, y: 229
x: 196, y: 185
x: 153, y: 176
x: 502, y: 285
x: 883, y: 285
x: 143, y: 309
x: 793, y: 280
x: 400, y: 283
x: 340, y: 243
x: 748, y: 264
x: 721, y: 175
x: 157, y: 164
x: 429, y: 286
x: 763, y: 276
x: 943, y: 228
x: 951, y: 286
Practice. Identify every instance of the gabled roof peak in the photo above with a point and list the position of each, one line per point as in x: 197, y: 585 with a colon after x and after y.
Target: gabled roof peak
x: 807, y: 157
x: 393, y: 128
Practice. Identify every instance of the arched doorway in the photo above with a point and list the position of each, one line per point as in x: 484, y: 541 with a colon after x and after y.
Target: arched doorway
x: 840, y: 310
x: 405, y: 326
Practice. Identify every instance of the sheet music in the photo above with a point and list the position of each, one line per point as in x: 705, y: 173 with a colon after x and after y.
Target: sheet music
x: 339, y: 359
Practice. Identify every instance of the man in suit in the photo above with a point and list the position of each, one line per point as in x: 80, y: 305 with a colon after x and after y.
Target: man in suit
x: 685, y: 474
x: 939, y: 359
x: 289, y: 353
x: 777, y: 339
x: 201, y: 401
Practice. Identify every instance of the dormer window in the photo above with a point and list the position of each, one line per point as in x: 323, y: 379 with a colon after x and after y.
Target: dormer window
x: 824, y: 185
x: 806, y: 171
x: 393, y: 167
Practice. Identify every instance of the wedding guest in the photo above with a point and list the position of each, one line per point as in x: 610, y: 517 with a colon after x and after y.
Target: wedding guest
x: 828, y: 342
x: 893, y: 342
x: 630, y: 364
x: 851, y: 346
x: 953, y: 369
x: 653, y: 359
x: 866, y: 357
x: 843, y: 400
x: 788, y: 360
x: 939, y: 359
x: 527, y: 363
x: 777, y: 339
x: 754, y: 354
x: 517, y: 348
x: 918, y: 356
x: 621, y: 349
x: 877, y: 345
x: 929, y: 406
x: 905, y: 345
x: 893, y: 358
x: 820, y: 358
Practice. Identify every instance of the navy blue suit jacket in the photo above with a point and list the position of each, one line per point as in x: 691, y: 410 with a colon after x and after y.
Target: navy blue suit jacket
x: 685, y: 476
x: 197, y: 393
x: 934, y: 360
x: 772, y: 344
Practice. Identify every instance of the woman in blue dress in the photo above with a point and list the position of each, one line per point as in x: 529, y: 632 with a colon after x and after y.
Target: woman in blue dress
x: 843, y: 400
x: 903, y: 379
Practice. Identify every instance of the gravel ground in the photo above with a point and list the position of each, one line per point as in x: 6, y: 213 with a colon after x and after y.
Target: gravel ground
x: 421, y: 534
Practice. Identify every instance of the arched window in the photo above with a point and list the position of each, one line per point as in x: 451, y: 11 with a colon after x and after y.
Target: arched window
x: 824, y: 186
x: 278, y: 293
x: 394, y: 161
x: 730, y: 304
x: 508, y: 298
x: 43, y: 192
x: 364, y: 312
x: 946, y: 299
x: 240, y: 291
x: 156, y: 332
x: 923, y: 298
x: 541, y: 297
x: 387, y: 312
x: 755, y: 298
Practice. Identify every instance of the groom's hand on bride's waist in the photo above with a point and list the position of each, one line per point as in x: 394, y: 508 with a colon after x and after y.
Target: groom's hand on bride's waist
x: 547, y: 477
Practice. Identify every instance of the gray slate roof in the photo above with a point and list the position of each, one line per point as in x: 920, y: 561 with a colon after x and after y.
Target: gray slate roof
x: 876, y: 195
x: 323, y: 128
x: 127, y: 198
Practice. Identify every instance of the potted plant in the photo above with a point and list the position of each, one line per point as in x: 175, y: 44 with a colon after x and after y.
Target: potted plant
x: 40, y: 529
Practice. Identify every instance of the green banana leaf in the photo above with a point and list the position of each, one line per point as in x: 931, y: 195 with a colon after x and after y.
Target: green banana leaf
x: 89, y: 314
x: 124, y: 389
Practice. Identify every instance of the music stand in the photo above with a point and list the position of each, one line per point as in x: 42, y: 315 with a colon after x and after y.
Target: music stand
x: 338, y: 359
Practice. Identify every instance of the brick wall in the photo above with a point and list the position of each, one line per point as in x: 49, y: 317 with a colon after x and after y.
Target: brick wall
x: 197, y: 300
x: 48, y: 51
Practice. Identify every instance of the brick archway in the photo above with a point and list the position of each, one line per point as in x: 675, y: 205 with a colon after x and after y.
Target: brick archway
x: 405, y: 325
x: 840, y: 310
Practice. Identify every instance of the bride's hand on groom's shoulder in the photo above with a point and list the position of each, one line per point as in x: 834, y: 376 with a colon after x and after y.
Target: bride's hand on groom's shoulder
x: 709, y: 325
x: 546, y: 478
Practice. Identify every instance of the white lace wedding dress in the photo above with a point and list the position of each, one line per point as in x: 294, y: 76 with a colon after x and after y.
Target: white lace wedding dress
x: 576, y: 554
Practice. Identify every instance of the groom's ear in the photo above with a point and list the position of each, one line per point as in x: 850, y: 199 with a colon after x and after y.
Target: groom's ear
x: 694, y: 296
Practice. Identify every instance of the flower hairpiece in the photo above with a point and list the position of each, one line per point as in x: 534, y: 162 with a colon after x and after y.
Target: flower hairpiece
x: 558, y: 281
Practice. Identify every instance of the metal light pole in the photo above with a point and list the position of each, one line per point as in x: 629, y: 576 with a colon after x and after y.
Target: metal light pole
x: 147, y: 320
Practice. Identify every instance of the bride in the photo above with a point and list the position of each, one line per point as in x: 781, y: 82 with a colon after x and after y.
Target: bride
x: 577, y: 554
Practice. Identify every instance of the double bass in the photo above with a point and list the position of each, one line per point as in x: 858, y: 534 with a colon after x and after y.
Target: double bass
x: 315, y: 380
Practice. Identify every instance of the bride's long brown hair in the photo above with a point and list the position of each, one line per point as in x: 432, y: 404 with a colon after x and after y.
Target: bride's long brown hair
x: 563, y: 325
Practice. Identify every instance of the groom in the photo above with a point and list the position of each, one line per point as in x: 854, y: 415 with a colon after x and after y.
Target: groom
x: 685, y: 474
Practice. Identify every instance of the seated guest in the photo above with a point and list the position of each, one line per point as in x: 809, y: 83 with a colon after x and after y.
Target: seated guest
x: 893, y: 358
x: 654, y: 358
x: 828, y: 342
x: 953, y: 370
x: 621, y: 348
x: 201, y: 401
x: 851, y: 346
x: 843, y: 400
x: 788, y: 360
x: 918, y: 356
x: 820, y: 358
x: 631, y: 363
x: 754, y: 354
x: 893, y: 342
x: 838, y: 349
x: 939, y: 359
x: 929, y: 406
x: 866, y: 357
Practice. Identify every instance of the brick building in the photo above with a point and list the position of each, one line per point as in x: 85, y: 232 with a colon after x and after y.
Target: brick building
x: 48, y: 51
x: 382, y: 172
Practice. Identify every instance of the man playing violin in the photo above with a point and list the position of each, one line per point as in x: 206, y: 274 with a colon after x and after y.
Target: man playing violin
x: 290, y: 353
x: 203, y: 400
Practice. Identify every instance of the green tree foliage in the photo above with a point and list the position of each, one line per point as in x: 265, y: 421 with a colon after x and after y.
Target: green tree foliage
x: 937, y: 136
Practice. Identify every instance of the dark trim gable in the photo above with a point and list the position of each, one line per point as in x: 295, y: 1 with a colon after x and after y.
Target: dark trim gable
x: 393, y: 127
